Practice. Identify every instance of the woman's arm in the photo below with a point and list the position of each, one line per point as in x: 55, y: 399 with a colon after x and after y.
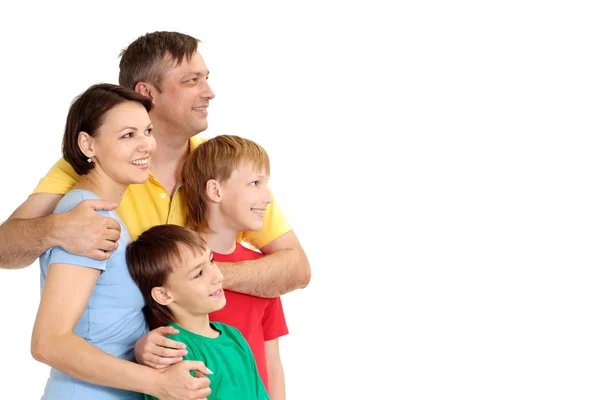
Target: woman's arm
x: 66, y: 293
x: 275, y: 370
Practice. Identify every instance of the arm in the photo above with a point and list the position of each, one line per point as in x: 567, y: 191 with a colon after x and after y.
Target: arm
x: 29, y: 231
x: 66, y: 293
x: 275, y: 370
x: 32, y: 229
x: 284, y: 268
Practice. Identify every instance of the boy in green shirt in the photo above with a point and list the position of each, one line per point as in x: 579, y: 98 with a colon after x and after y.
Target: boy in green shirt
x: 181, y: 285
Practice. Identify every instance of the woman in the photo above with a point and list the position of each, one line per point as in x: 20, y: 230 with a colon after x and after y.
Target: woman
x: 90, y: 313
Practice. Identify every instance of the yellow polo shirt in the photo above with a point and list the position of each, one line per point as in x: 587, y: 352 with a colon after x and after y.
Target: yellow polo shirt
x: 148, y: 204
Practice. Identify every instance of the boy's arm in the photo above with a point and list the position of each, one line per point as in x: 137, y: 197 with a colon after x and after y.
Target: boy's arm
x: 275, y: 370
x: 284, y: 268
x: 32, y: 229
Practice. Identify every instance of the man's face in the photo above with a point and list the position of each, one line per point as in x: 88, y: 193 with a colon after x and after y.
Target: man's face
x: 181, y: 105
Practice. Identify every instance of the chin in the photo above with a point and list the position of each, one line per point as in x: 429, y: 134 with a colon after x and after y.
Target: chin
x: 220, y: 305
x: 139, y: 180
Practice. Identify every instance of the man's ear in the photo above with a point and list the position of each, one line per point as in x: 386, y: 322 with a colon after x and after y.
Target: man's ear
x: 162, y: 296
x: 145, y: 88
x: 214, y: 190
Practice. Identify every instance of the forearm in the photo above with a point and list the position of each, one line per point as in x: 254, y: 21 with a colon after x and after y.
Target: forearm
x: 270, y: 276
x: 75, y: 357
x: 276, y: 381
x: 23, y: 240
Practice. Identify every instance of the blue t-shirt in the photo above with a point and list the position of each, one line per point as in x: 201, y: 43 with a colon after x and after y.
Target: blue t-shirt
x: 112, y: 321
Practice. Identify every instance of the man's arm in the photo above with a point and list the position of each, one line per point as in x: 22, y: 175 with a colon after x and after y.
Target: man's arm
x: 33, y: 229
x: 284, y: 268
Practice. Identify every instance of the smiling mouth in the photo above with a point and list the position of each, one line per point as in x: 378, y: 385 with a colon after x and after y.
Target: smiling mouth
x: 141, y: 161
x: 216, y: 293
x: 258, y: 211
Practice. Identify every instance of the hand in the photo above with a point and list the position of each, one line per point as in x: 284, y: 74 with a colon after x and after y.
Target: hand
x: 176, y: 382
x: 153, y: 350
x: 84, y: 232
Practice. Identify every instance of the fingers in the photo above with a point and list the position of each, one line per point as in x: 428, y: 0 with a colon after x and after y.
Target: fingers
x: 99, y: 205
x: 202, y: 387
x: 166, y: 342
x: 107, y: 245
x: 197, y: 366
x: 112, y: 223
x: 112, y: 235
x: 167, y: 353
x: 99, y: 255
x: 160, y: 362
x: 168, y: 330
x: 204, y: 392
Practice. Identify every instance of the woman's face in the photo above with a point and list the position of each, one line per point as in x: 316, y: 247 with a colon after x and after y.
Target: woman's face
x: 124, y: 144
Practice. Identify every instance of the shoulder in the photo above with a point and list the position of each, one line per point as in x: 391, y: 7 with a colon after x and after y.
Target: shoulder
x: 241, y: 253
x: 225, y: 329
x: 72, y: 198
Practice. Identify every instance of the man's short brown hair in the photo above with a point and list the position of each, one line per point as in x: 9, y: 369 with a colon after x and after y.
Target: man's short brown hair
x: 144, y: 59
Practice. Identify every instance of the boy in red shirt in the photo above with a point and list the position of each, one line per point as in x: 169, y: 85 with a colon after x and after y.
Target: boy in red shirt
x: 225, y: 182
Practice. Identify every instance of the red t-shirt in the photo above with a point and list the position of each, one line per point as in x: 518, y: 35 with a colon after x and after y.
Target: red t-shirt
x: 258, y: 319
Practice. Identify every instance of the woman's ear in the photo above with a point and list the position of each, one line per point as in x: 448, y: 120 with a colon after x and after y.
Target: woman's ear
x: 86, y: 144
x: 213, y: 190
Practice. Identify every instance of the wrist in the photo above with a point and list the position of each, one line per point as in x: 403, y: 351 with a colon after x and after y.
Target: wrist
x: 155, y: 382
x: 54, y: 231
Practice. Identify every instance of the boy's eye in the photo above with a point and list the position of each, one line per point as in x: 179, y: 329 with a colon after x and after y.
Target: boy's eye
x: 199, y: 274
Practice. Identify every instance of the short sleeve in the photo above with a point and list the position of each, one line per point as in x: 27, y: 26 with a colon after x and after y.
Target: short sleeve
x: 59, y: 180
x: 57, y: 254
x: 275, y: 224
x: 273, y: 322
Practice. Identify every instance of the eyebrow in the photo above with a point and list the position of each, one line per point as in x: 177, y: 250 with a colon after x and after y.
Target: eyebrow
x: 134, y: 128
x: 196, y: 73
x: 202, y: 263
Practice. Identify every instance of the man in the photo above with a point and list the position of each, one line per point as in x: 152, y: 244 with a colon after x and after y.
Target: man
x: 167, y: 67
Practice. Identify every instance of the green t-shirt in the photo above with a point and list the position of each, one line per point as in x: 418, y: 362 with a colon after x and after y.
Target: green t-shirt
x: 235, y: 375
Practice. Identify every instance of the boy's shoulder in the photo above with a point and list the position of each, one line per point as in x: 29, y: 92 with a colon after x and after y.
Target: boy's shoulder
x: 227, y: 332
x: 225, y: 329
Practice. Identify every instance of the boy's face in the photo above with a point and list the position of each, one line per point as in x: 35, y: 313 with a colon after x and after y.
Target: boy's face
x: 196, y: 286
x: 245, y: 197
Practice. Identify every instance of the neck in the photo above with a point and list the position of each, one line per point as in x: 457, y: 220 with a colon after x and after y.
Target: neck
x: 171, y: 152
x: 101, y: 185
x: 221, y: 237
x: 198, y: 324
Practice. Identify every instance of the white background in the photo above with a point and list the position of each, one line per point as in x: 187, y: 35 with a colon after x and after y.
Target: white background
x: 439, y: 162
